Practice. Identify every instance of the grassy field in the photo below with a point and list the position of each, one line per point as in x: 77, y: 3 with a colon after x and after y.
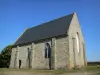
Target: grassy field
x: 89, y: 70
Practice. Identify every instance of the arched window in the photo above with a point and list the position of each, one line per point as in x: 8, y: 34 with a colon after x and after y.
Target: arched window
x: 77, y: 42
x: 28, y: 57
x: 47, y: 50
x: 28, y: 51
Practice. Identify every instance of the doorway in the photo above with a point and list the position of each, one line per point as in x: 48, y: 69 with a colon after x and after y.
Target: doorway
x: 19, y: 64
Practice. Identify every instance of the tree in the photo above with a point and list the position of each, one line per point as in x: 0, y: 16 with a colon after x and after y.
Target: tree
x: 5, y: 56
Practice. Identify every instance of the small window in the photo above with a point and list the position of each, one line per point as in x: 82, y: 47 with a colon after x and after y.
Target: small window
x: 47, y: 50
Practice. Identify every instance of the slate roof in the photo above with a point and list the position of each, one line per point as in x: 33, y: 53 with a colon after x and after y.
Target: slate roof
x: 46, y: 30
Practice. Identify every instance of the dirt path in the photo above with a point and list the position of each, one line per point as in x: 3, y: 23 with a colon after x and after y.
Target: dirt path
x: 35, y: 73
x: 82, y: 73
x: 23, y: 73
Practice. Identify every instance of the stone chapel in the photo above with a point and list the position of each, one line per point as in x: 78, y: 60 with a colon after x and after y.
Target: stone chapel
x: 57, y: 44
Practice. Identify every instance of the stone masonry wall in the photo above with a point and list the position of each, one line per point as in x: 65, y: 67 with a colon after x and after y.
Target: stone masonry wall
x: 39, y: 60
x: 12, y: 60
x: 23, y: 55
x: 61, y: 53
x: 76, y: 59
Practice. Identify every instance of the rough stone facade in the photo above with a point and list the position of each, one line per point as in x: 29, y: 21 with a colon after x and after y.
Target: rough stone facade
x: 76, y: 59
x: 64, y: 52
x: 61, y: 53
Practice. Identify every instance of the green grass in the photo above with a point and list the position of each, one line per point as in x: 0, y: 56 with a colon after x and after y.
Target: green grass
x: 56, y: 72
x: 91, y: 68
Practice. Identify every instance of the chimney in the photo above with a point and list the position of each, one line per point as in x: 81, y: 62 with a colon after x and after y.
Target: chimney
x: 26, y: 28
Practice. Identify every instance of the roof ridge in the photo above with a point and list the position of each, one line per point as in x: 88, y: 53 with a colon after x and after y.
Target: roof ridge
x: 50, y: 21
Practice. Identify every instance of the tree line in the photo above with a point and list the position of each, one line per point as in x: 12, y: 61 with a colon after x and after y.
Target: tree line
x: 93, y: 63
x: 5, y: 57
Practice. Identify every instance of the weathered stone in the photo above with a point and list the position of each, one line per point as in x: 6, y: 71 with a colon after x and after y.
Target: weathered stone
x: 64, y: 51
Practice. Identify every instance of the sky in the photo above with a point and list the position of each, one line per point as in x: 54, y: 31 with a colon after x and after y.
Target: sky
x: 17, y: 15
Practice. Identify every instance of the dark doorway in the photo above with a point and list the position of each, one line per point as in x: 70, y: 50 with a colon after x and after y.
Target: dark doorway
x: 19, y: 64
